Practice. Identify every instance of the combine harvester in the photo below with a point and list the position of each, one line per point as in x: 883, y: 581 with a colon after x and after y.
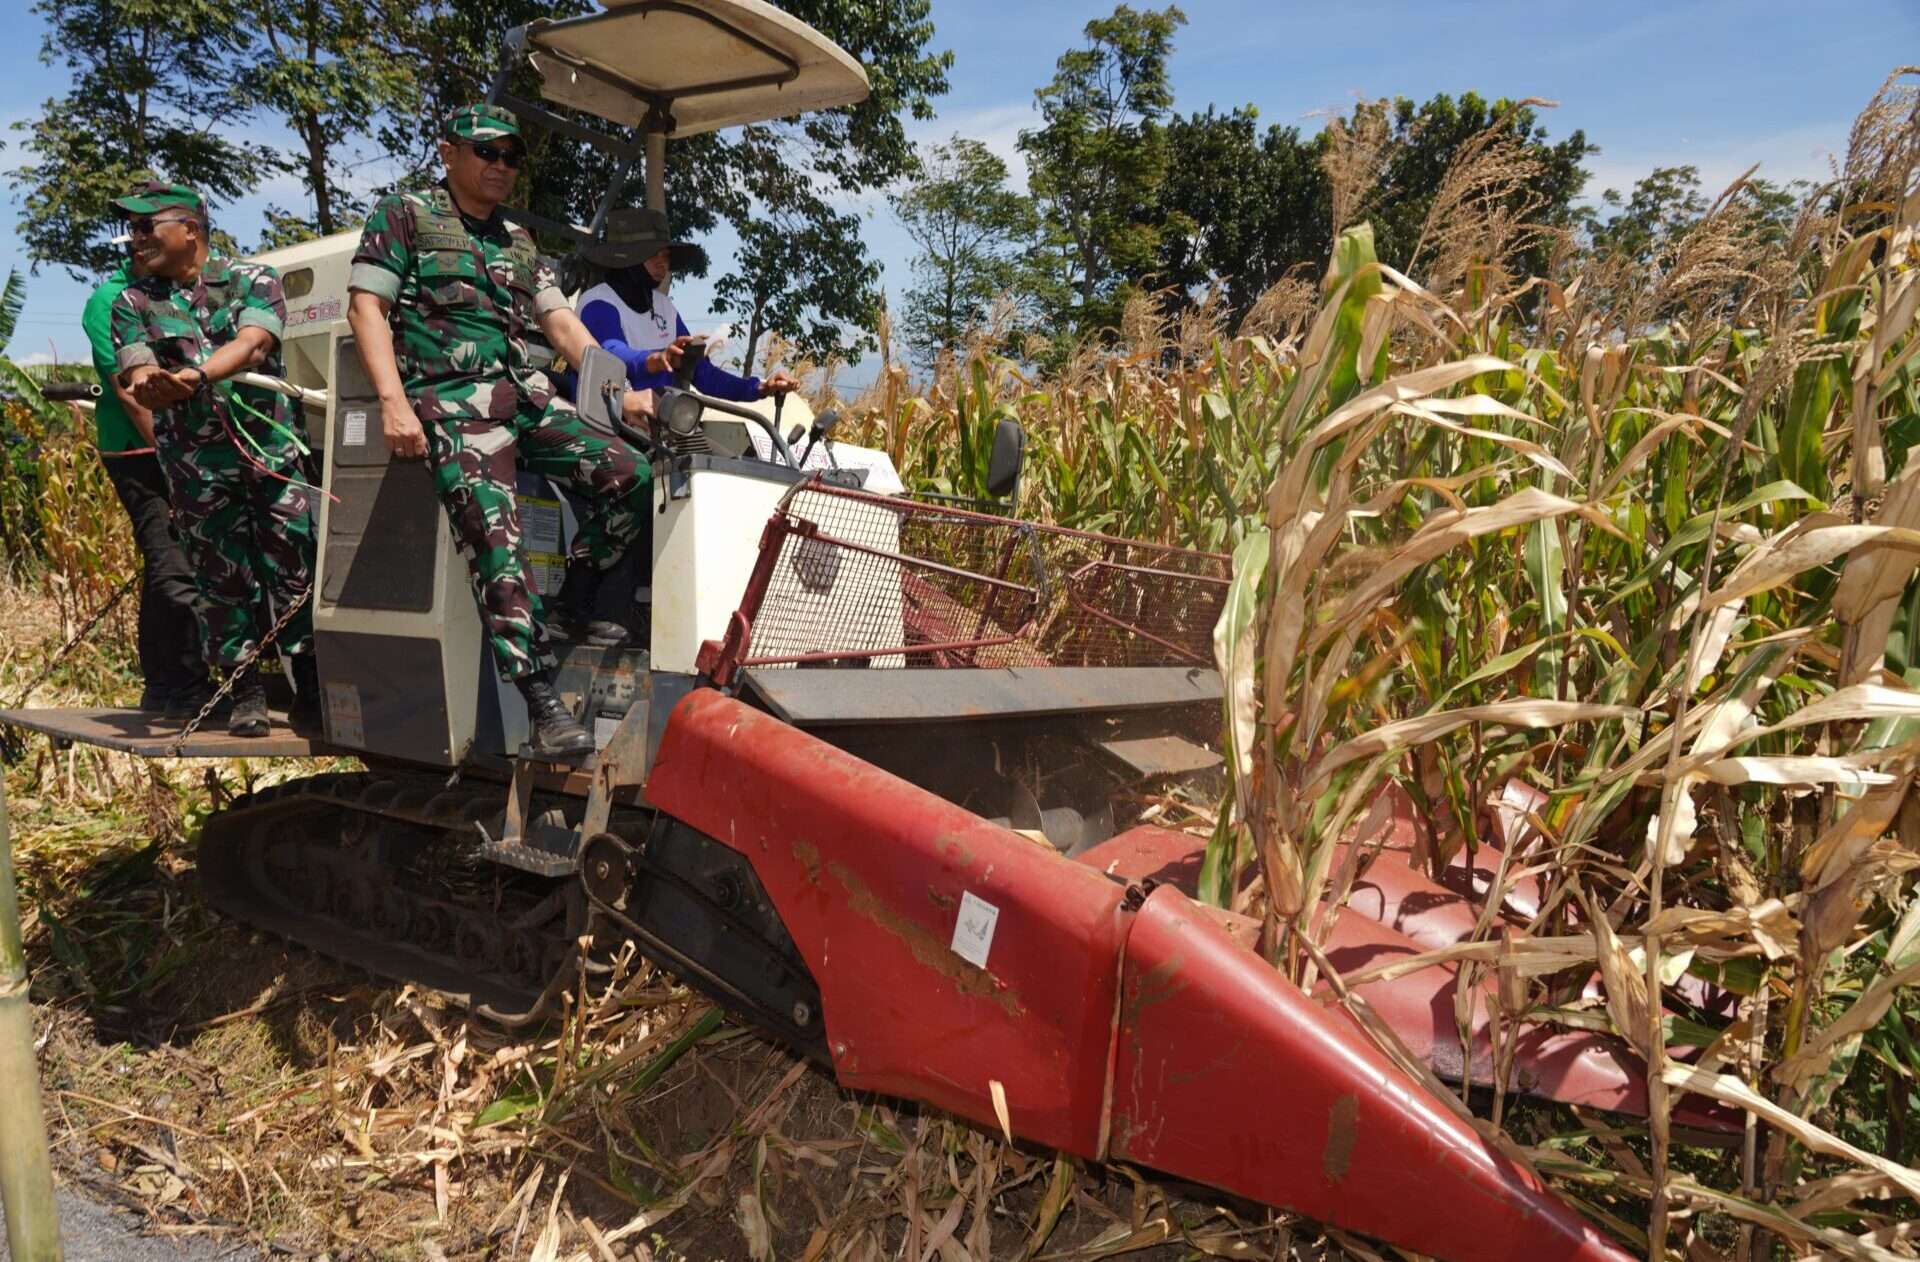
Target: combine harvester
x: 872, y: 784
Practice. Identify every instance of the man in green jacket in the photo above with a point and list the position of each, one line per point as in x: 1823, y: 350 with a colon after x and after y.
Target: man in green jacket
x: 169, y: 644
x: 230, y: 450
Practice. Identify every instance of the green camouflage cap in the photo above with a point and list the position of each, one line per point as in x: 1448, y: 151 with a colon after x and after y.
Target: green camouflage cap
x: 482, y: 122
x: 156, y: 195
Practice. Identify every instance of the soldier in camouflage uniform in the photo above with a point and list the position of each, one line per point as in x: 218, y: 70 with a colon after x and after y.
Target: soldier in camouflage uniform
x: 230, y: 452
x: 445, y: 294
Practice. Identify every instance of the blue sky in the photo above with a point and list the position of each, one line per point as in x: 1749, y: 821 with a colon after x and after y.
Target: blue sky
x: 1719, y: 85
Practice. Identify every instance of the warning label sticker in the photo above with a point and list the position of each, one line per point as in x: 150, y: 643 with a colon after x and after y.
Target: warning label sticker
x: 540, y: 532
x: 344, y: 723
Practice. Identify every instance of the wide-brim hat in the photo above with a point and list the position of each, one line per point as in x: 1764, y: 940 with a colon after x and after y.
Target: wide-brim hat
x: 635, y: 235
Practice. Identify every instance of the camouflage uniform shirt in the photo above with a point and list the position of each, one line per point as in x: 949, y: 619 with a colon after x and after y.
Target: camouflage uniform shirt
x: 466, y: 295
x: 158, y: 321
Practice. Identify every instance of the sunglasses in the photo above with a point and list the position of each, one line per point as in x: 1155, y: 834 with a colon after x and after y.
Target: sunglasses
x: 145, y: 225
x: 512, y: 156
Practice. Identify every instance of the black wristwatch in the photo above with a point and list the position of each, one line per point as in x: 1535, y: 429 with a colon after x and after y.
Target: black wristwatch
x: 204, y: 380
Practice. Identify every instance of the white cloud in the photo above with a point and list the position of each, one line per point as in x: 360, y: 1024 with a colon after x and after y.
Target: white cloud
x: 35, y: 359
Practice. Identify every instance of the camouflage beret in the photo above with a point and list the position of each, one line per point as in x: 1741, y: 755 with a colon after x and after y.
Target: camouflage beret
x: 481, y: 122
x: 156, y: 195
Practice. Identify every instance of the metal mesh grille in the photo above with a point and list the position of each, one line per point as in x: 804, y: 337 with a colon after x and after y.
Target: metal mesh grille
x: 855, y: 579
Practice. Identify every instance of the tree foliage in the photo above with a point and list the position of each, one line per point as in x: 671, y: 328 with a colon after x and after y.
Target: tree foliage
x: 970, y: 228
x: 149, y: 82
x: 1426, y: 139
x: 1244, y: 208
x: 803, y: 272
x: 1241, y: 207
x: 1098, y: 162
x: 331, y: 71
x: 165, y: 88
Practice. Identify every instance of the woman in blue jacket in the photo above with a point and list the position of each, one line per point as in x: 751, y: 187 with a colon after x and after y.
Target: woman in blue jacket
x: 630, y: 314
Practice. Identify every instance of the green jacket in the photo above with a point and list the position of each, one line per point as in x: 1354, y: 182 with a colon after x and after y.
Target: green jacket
x: 113, y: 428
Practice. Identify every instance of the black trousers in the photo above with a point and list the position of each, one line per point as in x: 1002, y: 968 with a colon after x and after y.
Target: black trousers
x: 169, y: 640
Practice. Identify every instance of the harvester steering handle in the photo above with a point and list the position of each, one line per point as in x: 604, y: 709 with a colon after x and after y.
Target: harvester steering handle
x: 747, y: 414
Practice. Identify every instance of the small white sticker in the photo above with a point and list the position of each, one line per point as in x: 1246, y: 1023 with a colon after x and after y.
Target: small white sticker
x: 345, y: 725
x: 973, y: 931
x: 354, y: 429
x: 604, y: 726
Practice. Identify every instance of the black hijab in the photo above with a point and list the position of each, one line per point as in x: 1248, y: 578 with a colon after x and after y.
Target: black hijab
x: 633, y: 286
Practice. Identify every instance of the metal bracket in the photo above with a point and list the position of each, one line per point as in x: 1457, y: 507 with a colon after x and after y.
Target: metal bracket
x: 513, y: 823
x: 511, y: 847
x: 534, y: 112
x: 621, y: 763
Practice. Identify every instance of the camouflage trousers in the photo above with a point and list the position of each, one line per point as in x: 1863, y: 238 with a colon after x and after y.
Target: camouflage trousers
x: 477, y: 435
x: 249, y: 537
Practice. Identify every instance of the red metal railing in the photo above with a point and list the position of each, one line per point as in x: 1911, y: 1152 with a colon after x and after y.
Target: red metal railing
x: 850, y: 578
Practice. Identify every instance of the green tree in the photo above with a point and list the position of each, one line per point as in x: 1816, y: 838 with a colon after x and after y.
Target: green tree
x: 1243, y: 208
x: 1425, y: 139
x: 1667, y: 202
x: 149, y: 81
x: 1240, y: 208
x: 970, y: 227
x: 1098, y: 161
x: 332, y: 71
x: 803, y: 272
x: 1662, y: 205
x: 751, y: 177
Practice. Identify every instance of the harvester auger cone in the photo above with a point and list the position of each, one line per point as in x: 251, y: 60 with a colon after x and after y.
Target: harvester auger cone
x: 863, y: 776
x: 1121, y: 1023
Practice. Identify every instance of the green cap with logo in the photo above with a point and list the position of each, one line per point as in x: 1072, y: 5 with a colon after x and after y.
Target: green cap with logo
x: 482, y: 122
x: 158, y: 195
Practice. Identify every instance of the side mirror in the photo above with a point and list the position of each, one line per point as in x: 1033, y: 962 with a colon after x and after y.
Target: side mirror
x: 1003, y: 466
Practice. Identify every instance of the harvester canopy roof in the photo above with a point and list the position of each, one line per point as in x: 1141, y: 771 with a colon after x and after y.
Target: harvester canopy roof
x: 707, y: 64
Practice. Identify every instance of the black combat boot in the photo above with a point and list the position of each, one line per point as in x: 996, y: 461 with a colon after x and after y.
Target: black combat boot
x: 249, y: 706
x: 304, y: 715
x: 574, y: 608
x: 187, y: 702
x: 553, y: 734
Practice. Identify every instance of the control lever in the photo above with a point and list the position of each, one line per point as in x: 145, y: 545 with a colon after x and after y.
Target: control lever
x: 794, y: 435
x: 680, y: 411
x: 823, y: 425
x: 692, y: 355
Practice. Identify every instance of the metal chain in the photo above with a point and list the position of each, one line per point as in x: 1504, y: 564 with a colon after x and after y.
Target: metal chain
x: 86, y: 629
x: 233, y: 676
